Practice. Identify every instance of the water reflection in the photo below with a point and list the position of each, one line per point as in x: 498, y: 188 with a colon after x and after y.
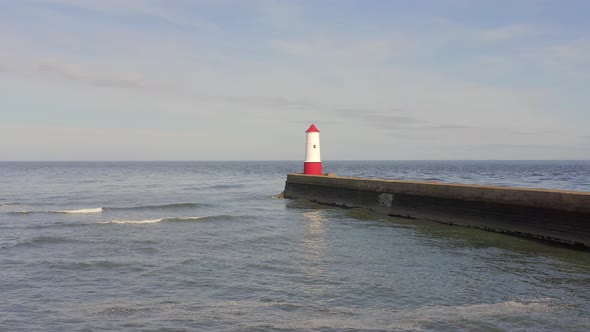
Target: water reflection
x: 316, y: 222
x: 314, y: 261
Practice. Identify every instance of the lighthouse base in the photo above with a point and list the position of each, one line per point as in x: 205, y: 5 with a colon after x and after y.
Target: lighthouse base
x: 312, y: 168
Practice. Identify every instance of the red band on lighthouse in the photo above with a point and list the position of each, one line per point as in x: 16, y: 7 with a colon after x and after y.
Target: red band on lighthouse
x: 312, y: 168
x: 313, y: 163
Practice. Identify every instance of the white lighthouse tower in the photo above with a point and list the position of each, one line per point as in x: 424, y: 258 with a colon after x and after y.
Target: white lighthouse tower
x: 313, y: 163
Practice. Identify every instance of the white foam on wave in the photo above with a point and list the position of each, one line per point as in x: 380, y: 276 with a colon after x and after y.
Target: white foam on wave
x: 188, y: 218
x: 146, y: 221
x: 150, y: 221
x: 81, y: 211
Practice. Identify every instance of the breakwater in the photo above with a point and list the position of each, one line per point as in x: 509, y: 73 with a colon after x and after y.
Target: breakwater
x: 554, y: 215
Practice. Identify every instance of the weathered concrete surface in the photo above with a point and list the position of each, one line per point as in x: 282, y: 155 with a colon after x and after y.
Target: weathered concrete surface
x: 555, y: 215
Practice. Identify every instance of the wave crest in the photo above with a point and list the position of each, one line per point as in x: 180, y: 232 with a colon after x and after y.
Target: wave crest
x: 156, y: 207
x: 168, y: 219
x: 80, y: 211
x: 171, y: 206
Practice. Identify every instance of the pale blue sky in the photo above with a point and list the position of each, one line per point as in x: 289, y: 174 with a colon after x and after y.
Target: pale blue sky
x: 232, y: 80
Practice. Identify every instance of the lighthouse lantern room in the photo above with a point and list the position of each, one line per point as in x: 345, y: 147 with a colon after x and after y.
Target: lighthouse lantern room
x: 313, y: 163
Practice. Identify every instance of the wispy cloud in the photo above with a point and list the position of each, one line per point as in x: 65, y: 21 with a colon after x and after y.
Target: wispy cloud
x: 576, y: 51
x: 86, y: 143
x: 559, y: 61
x: 90, y: 77
x: 273, y: 102
x: 361, y: 51
x: 397, y: 120
x: 512, y: 32
x: 111, y: 77
x: 295, y: 48
x: 155, y: 9
x: 281, y: 15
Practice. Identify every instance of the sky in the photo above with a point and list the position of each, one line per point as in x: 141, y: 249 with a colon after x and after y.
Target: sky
x: 243, y: 80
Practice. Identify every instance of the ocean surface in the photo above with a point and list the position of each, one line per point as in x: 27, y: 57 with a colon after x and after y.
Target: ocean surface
x: 208, y: 246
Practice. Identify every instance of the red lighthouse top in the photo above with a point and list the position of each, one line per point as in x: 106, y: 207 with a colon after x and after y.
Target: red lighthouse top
x: 312, y: 129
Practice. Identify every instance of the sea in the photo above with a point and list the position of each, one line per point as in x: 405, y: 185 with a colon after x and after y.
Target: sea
x: 210, y: 246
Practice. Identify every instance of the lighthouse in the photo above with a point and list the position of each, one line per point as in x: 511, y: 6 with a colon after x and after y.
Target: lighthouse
x: 313, y: 163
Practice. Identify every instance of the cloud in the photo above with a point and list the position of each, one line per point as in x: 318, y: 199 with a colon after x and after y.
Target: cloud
x: 295, y: 48
x: 67, y: 143
x: 573, y: 52
x: 556, y: 63
x: 397, y: 120
x: 511, y: 32
x: 272, y: 102
x: 25, y: 141
x: 363, y: 51
x: 149, y: 8
x: 8, y: 40
x: 155, y: 88
x: 451, y: 31
x: 282, y: 15
x: 392, y: 122
x: 510, y: 146
x: 88, y: 76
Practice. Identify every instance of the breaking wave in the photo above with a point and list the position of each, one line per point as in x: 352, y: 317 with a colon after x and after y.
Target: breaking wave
x: 105, y: 209
x: 168, y: 219
x: 157, y: 207
x: 80, y: 211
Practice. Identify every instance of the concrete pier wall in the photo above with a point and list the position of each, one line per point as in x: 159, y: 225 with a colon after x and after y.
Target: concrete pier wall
x: 554, y: 215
